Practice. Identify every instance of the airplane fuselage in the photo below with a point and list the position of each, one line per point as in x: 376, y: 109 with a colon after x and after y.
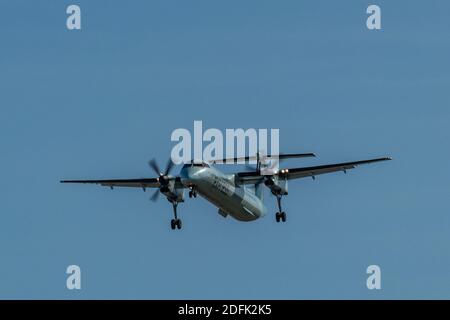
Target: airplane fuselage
x: 220, y: 189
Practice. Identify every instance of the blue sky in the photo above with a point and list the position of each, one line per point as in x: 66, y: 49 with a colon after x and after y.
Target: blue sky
x: 101, y: 102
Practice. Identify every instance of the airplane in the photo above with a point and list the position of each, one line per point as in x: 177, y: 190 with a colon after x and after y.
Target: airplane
x: 239, y: 195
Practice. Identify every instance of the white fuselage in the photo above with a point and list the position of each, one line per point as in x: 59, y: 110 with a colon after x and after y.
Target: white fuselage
x: 220, y: 189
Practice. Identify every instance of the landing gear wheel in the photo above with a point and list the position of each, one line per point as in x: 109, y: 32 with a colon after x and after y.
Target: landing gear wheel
x: 280, y: 215
x: 178, y: 223
x: 172, y: 224
x: 190, y: 194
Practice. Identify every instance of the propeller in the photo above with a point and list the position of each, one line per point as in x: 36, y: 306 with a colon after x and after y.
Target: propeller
x: 273, y: 164
x: 261, y: 159
x: 155, y: 195
x: 163, y: 177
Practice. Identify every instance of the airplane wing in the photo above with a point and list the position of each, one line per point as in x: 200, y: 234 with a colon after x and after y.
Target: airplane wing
x: 295, y: 173
x: 133, y: 183
x: 281, y: 156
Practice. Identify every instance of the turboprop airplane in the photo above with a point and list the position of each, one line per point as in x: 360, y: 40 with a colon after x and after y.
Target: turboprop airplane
x: 239, y: 195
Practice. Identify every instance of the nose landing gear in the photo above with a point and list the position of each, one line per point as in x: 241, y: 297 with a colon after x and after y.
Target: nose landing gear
x: 280, y: 215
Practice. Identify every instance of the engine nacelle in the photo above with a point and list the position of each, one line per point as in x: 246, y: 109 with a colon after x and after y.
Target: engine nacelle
x: 277, y: 186
x: 172, y: 193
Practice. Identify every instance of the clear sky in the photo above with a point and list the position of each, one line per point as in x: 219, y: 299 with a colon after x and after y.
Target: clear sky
x: 100, y: 102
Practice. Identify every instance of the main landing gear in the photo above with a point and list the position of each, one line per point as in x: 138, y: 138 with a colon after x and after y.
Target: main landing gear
x: 280, y: 215
x: 175, y: 223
